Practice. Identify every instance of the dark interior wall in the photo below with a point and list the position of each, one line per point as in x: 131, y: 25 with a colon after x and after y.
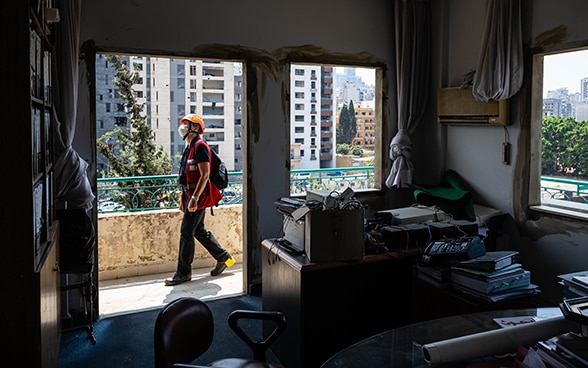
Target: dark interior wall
x: 549, y: 245
x: 182, y: 26
x: 474, y: 151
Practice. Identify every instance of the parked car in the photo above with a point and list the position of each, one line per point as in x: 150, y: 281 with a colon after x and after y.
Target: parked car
x: 229, y: 195
x: 109, y: 206
x: 302, y: 176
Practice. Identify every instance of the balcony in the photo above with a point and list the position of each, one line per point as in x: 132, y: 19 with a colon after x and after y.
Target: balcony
x: 139, y: 219
x: 146, y: 242
x: 139, y: 222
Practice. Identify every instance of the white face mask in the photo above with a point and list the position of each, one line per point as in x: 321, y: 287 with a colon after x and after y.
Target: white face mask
x: 183, y: 130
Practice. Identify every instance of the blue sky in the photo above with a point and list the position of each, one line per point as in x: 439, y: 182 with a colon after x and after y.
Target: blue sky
x: 367, y: 75
x: 565, y: 70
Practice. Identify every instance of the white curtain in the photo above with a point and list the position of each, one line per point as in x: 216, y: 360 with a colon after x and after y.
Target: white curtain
x: 413, y: 48
x: 71, y: 180
x: 499, y: 73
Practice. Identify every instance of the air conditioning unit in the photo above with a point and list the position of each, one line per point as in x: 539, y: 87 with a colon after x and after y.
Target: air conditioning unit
x: 457, y: 106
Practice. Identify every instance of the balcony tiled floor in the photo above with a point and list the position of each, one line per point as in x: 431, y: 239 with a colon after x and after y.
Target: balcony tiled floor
x: 146, y: 292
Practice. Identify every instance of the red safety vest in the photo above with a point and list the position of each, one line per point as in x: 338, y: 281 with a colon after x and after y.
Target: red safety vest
x: 205, y: 200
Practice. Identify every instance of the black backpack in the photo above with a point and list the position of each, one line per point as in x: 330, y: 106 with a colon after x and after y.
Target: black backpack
x: 218, y: 171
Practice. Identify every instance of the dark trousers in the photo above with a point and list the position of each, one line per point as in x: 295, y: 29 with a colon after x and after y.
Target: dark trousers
x: 193, y: 227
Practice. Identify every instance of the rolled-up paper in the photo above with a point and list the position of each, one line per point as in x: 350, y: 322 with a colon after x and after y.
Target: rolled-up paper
x: 495, y: 342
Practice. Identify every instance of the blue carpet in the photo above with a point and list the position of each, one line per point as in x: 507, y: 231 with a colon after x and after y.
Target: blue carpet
x: 126, y: 341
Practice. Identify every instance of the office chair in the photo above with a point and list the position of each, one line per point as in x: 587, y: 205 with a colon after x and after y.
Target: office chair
x: 184, y: 329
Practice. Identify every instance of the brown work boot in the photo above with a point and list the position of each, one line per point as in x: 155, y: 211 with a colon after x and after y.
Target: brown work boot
x: 220, y: 267
x: 178, y: 279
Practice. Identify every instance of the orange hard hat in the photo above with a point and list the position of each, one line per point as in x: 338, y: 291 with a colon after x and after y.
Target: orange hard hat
x: 194, y: 119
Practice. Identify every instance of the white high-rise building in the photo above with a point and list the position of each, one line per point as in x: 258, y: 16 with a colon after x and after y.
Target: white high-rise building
x: 312, y: 123
x: 584, y: 90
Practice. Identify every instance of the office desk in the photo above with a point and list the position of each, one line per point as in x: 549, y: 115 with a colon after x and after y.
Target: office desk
x: 331, y: 305
x: 401, y: 347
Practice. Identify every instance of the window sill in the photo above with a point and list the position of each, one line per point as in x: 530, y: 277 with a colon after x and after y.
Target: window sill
x: 573, y: 210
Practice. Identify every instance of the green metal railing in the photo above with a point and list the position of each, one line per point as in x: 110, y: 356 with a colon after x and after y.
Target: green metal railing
x: 339, y: 179
x: 141, y: 193
x: 564, y: 189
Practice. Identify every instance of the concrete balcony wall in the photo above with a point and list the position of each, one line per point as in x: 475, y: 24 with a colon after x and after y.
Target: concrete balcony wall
x: 143, y: 243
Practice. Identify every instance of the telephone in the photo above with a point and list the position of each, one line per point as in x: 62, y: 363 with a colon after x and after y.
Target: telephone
x: 454, y: 249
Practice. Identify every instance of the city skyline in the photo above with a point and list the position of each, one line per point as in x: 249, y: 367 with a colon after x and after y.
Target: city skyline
x: 367, y: 75
x: 564, y: 70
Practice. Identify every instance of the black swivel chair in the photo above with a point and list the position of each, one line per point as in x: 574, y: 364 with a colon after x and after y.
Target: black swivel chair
x: 184, y: 329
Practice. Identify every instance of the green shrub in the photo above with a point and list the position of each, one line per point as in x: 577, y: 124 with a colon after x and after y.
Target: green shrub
x: 564, y: 147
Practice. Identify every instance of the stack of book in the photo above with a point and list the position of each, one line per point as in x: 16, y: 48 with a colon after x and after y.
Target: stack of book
x: 569, y: 350
x: 437, y: 275
x: 575, y: 283
x: 492, y: 277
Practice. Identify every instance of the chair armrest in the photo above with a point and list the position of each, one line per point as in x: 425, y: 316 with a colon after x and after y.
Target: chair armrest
x: 259, y: 347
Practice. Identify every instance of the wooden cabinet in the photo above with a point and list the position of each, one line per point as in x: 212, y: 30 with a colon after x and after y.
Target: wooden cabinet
x: 49, y: 304
x: 45, y: 230
x: 331, y: 305
x: 28, y: 254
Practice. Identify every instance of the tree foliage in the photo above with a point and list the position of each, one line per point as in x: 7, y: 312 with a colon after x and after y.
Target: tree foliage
x: 564, y: 149
x: 132, y: 152
x: 343, y: 148
x: 357, y: 151
x: 347, y: 127
x: 347, y: 149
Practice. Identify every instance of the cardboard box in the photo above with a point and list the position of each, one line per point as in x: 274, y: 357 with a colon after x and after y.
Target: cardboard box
x: 334, y: 235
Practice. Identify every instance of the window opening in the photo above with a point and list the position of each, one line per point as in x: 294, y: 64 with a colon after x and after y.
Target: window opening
x: 339, y: 97
x: 560, y: 133
x: 192, y: 91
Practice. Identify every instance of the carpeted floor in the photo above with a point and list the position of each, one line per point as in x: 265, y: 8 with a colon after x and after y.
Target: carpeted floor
x: 126, y: 341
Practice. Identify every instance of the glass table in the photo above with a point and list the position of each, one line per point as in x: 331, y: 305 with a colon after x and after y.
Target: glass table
x: 402, y: 347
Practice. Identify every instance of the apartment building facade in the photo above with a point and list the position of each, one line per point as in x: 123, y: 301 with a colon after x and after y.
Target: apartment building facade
x: 365, y: 119
x: 312, y: 126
